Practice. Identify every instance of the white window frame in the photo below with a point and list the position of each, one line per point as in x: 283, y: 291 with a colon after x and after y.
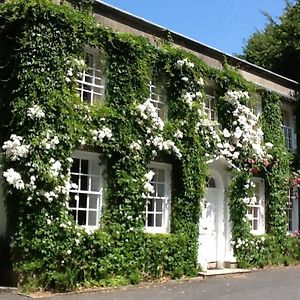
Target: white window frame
x: 259, y: 207
x: 166, y: 200
x: 93, y: 80
x: 293, y: 209
x: 289, y: 128
x: 94, y: 158
x: 210, y: 106
x: 258, y: 107
x: 158, y: 97
x: 255, y: 104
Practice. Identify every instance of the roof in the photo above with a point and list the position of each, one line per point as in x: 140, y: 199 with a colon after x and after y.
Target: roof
x: 146, y: 26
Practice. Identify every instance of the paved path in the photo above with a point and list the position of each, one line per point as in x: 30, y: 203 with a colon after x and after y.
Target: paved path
x: 276, y: 284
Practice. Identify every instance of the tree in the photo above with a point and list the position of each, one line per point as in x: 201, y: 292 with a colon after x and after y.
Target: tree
x: 277, y: 47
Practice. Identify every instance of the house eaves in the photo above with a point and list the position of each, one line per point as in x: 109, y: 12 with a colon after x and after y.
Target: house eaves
x: 217, y: 57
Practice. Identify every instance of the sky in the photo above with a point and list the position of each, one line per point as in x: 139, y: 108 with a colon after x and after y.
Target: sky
x: 221, y: 24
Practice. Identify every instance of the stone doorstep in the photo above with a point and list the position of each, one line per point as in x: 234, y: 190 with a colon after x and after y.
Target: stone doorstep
x: 5, y: 289
x: 217, y: 272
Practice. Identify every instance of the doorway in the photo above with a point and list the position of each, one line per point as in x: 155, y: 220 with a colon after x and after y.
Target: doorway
x: 212, y: 241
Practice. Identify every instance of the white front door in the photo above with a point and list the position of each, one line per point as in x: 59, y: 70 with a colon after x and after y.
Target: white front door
x: 211, y: 227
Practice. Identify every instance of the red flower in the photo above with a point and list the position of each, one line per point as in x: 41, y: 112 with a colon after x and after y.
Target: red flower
x: 254, y: 171
x: 251, y: 161
x: 266, y: 163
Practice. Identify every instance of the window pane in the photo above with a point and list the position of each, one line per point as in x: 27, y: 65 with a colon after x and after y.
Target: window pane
x: 88, y: 79
x: 84, y: 166
x: 75, y: 166
x: 72, y: 202
x: 151, y: 205
x: 158, y: 97
x: 160, y: 190
x: 150, y: 220
x: 160, y: 175
x: 84, y: 183
x: 81, y: 217
x: 86, y: 97
x: 83, y: 200
x: 93, y: 199
x: 93, y: 77
x: 95, y: 168
x: 87, y: 87
x: 95, y: 184
x: 255, y: 212
x: 92, y: 218
x: 211, y: 182
x: 159, y: 220
x: 159, y: 205
x: 157, y: 212
x: 255, y: 225
x: 75, y: 179
x: 89, y: 59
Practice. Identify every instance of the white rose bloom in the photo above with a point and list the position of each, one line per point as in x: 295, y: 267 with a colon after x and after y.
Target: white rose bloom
x: 14, y: 178
x: 149, y: 187
x: 55, y: 167
x: 226, y: 133
x: 269, y: 145
x: 149, y: 175
x: 180, y: 63
x: 190, y: 64
x: 200, y: 82
x: 178, y: 134
x: 14, y: 149
x: 237, y: 133
x: 35, y: 112
x: 100, y: 135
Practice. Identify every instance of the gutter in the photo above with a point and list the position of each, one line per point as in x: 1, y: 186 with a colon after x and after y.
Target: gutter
x: 146, y: 26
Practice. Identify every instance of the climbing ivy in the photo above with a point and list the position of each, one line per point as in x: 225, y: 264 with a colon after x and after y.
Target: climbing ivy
x: 41, y: 55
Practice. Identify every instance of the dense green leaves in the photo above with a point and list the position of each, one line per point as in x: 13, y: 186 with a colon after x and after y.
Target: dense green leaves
x: 41, y: 42
x: 277, y: 47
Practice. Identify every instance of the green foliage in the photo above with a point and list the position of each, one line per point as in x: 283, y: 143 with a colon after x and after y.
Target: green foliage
x: 42, y: 43
x: 277, y: 46
x: 277, y: 177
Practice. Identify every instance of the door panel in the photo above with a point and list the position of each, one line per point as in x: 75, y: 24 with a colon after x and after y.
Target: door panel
x: 208, y: 226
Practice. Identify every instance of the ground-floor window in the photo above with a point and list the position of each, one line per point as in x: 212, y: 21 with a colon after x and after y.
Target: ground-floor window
x: 86, y: 193
x: 256, y: 207
x: 293, y: 209
x: 159, y: 202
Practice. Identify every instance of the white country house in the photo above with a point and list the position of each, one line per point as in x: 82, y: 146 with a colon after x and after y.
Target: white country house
x: 87, y: 194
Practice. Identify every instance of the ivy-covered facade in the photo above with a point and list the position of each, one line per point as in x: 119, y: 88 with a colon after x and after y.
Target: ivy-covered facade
x: 128, y: 157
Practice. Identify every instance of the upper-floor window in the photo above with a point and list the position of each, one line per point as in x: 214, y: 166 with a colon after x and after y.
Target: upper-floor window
x: 210, y: 106
x: 255, y: 104
x: 288, y: 127
x: 158, y: 96
x: 86, y: 197
x: 292, y: 209
x: 91, y: 85
x: 256, y: 209
x: 159, y: 202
